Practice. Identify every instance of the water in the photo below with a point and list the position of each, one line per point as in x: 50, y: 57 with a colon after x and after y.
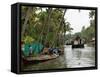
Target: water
x: 72, y: 58
x: 79, y: 57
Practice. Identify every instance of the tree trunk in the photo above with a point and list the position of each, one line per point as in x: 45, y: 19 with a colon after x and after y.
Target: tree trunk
x: 29, y: 11
x: 60, y: 26
x: 48, y: 20
x: 46, y: 23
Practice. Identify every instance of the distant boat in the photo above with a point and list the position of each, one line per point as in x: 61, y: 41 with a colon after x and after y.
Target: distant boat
x: 78, y: 43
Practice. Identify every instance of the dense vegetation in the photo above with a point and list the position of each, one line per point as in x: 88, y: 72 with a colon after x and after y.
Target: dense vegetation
x: 89, y: 32
x: 44, y: 25
x: 48, y: 26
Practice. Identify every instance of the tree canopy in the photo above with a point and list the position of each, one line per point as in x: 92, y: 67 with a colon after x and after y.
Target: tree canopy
x: 44, y: 24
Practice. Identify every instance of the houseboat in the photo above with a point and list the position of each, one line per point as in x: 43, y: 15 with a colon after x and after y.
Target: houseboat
x: 78, y: 43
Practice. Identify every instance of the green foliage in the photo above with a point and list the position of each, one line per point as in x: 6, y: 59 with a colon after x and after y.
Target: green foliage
x: 43, y: 24
x: 89, y: 32
x: 92, y: 14
x: 28, y: 40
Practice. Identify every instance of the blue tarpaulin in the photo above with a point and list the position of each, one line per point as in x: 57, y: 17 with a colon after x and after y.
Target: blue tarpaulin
x: 26, y: 49
x: 36, y: 48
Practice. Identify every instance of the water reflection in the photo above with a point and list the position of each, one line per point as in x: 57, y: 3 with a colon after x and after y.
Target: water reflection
x: 79, y: 57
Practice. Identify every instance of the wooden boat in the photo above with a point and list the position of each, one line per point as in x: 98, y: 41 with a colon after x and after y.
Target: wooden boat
x: 38, y: 59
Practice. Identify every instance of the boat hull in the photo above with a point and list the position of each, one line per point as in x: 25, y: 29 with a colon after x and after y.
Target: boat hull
x: 78, y: 46
x: 35, y: 60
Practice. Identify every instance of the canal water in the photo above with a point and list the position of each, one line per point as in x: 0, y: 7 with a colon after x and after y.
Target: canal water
x: 72, y: 58
x: 79, y: 57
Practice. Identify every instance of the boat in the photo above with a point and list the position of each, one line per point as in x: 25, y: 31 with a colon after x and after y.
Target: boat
x: 78, y: 43
x: 38, y: 59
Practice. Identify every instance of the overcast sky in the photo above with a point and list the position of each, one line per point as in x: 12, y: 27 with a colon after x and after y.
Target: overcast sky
x: 77, y: 19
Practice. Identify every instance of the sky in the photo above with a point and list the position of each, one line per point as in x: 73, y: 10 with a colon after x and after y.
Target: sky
x: 77, y: 19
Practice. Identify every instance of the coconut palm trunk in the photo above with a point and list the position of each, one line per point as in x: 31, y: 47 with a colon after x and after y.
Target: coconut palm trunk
x: 46, y: 25
x: 29, y: 11
x: 60, y: 26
